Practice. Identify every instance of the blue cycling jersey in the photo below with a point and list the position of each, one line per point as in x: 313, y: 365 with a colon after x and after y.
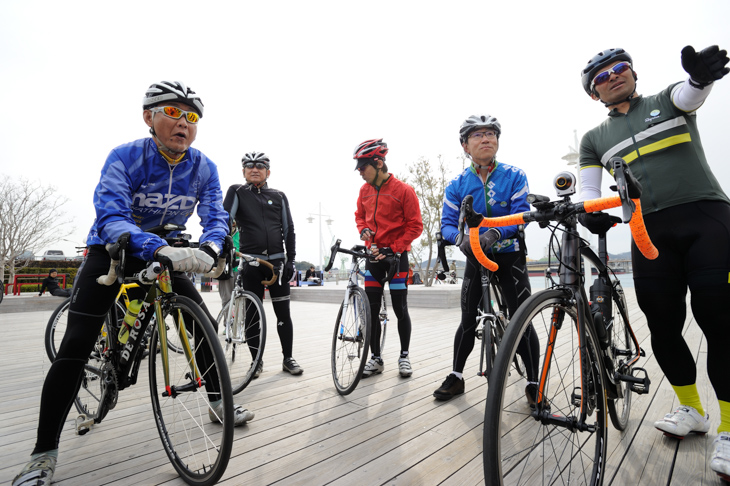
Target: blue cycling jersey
x: 505, y: 192
x: 139, y: 189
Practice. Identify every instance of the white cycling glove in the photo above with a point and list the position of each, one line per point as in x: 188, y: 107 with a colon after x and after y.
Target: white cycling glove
x: 186, y: 259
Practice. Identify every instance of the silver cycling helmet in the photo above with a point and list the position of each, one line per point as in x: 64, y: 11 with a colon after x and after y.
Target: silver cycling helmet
x: 474, y: 122
x: 255, y: 157
x: 163, y: 91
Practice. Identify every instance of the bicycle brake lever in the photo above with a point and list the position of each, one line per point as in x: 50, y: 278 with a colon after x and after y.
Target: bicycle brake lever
x: 468, y: 216
x: 627, y: 186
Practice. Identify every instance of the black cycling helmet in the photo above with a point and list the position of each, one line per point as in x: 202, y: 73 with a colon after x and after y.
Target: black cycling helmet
x: 163, y: 91
x: 474, y: 122
x: 256, y: 157
x: 366, y: 152
x: 599, y: 62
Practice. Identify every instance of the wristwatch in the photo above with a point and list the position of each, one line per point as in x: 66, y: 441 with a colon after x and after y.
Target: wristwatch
x: 212, y: 246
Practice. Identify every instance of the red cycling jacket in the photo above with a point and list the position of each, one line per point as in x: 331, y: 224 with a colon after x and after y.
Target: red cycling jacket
x: 392, y: 212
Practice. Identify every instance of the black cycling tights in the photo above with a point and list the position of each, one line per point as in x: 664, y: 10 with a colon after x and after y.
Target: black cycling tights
x: 89, y: 305
x: 280, y: 293
x: 694, y: 251
x: 398, y: 294
x: 515, y: 284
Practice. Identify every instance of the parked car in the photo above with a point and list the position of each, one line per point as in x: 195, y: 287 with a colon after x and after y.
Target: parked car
x: 54, y: 255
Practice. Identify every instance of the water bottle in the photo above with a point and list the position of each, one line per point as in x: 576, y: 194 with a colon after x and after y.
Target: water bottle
x: 129, y: 318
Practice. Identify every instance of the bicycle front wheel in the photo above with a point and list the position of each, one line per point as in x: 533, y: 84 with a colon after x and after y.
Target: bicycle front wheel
x: 563, y: 440
x: 198, y: 447
x: 623, y: 349
x: 351, y: 341
x: 243, y: 337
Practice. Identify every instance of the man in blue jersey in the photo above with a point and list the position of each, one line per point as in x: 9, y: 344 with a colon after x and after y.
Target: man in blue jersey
x: 145, y: 183
x: 498, y: 189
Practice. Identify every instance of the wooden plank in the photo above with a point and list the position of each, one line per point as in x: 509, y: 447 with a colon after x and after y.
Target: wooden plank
x: 389, y: 430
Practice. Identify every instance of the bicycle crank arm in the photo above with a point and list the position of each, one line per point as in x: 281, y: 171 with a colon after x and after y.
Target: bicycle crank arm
x: 570, y: 423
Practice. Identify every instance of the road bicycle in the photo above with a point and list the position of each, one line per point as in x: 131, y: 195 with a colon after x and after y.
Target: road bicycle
x: 243, y: 325
x: 351, y: 337
x: 182, y: 384
x: 492, y: 312
x: 587, y: 366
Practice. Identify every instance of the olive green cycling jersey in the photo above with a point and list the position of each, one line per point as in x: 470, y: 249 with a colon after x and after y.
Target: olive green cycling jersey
x: 662, y: 146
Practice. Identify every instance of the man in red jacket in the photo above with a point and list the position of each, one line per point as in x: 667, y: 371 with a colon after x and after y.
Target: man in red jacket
x: 388, y: 217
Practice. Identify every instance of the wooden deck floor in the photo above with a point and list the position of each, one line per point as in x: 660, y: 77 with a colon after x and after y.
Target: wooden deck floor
x: 390, y: 430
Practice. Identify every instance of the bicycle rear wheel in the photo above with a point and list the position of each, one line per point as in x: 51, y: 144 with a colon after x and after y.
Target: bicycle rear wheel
x: 243, y: 337
x: 548, y: 445
x: 197, y: 448
x: 56, y: 329
x: 622, y: 349
x: 502, y: 312
x: 351, y: 341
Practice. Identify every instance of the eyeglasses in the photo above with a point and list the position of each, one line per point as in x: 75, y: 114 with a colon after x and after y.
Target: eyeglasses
x: 606, y: 75
x: 258, y: 165
x: 176, y: 113
x: 489, y: 135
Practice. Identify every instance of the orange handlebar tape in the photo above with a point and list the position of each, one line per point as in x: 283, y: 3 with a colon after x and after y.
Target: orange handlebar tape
x: 476, y: 248
x: 641, y: 237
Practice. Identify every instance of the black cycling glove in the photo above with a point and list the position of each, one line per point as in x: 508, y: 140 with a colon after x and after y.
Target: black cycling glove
x: 288, y: 272
x: 705, y: 66
x: 597, y: 223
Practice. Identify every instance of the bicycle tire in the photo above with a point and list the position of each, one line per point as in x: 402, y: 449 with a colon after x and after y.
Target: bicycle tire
x: 2, y: 292
x: 522, y: 446
x: 502, y: 312
x: 351, y: 341
x: 245, y: 334
x: 56, y: 328
x: 198, y: 449
x: 622, y: 346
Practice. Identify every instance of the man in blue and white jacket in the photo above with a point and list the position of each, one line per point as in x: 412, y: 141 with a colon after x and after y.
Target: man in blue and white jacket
x: 146, y: 183
x: 498, y: 190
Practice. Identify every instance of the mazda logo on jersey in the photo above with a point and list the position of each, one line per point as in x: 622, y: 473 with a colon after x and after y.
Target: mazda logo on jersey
x: 158, y: 200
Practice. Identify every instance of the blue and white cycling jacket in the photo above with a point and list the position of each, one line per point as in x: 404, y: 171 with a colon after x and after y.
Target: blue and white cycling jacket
x: 138, y: 190
x: 505, y: 192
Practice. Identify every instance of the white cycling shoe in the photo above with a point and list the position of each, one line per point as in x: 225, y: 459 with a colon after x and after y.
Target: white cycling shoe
x: 38, y: 472
x: 720, y: 461
x: 240, y: 415
x: 684, y: 420
x: 373, y: 367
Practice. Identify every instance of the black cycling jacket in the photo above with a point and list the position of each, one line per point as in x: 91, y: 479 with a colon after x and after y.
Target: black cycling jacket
x: 264, y: 221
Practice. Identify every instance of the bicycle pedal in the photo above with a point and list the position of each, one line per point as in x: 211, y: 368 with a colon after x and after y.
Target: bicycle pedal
x: 83, y: 424
x: 642, y: 386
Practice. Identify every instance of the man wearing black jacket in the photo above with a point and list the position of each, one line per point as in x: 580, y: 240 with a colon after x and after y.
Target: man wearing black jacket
x: 266, y: 229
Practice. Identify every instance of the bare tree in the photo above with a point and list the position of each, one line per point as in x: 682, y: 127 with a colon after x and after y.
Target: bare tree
x: 31, y: 218
x: 429, y: 185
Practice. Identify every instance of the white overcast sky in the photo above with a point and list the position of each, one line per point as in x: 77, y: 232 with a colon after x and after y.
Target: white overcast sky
x: 306, y: 82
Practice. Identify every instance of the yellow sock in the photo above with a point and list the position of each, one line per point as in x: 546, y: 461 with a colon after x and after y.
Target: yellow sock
x: 724, y: 417
x: 689, y: 397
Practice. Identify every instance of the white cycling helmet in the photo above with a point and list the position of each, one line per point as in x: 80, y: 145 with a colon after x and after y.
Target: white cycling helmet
x: 163, y: 91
